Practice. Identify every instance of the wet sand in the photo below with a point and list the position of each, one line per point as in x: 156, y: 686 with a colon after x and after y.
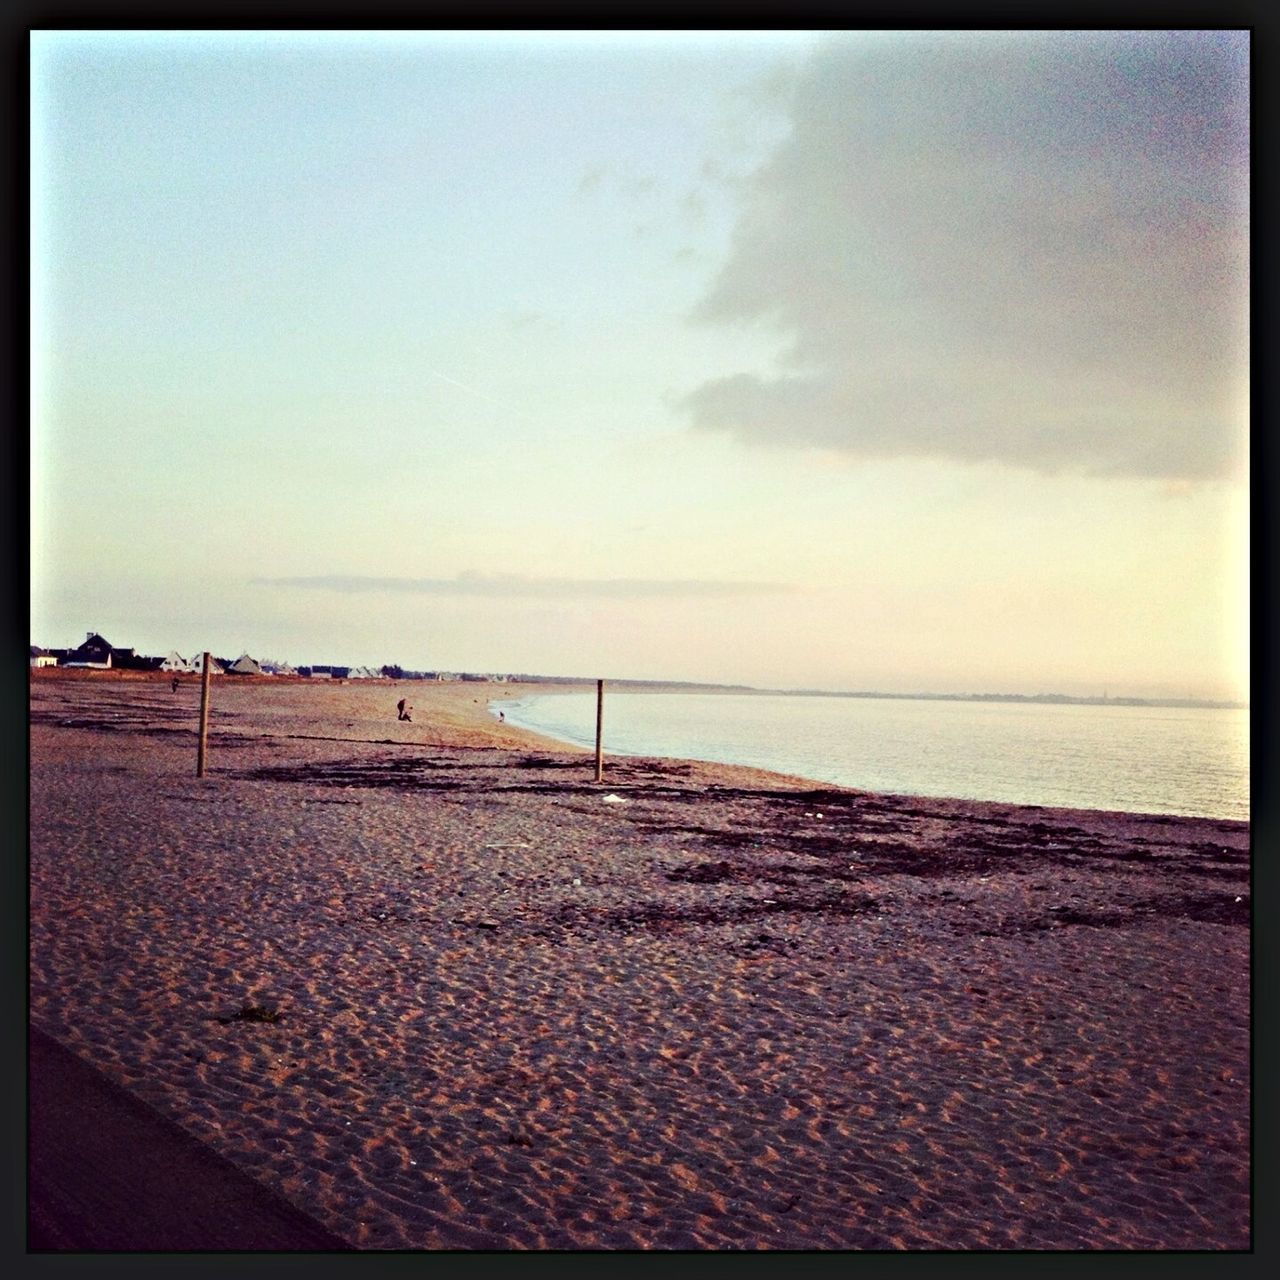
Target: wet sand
x: 426, y: 983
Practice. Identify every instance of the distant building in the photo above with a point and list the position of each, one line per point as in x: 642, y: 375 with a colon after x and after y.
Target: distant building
x: 94, y: 652
x: 176, y: 662
x: 42, y: 657
x: 216, y: 668
x: 245, y: 666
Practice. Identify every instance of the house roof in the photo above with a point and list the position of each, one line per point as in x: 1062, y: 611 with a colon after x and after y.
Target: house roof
x: 92, y: 641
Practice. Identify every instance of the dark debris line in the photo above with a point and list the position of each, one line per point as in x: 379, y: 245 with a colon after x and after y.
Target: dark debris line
x: 861, y: 837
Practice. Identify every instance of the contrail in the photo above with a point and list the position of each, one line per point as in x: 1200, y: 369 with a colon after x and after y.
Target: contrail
x: 445, y: 378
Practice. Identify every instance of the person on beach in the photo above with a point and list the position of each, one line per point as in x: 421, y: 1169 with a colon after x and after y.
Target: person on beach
x: 402, y: 712
x: 175, y: 684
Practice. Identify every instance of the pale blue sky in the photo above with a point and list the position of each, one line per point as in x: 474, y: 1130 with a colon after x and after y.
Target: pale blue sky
x: 892, y: 361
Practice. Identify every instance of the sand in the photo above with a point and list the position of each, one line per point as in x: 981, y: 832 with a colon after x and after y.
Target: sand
x: 426, y: 983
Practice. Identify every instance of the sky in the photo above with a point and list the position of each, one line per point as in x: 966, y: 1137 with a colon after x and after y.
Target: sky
x: 915, y: 362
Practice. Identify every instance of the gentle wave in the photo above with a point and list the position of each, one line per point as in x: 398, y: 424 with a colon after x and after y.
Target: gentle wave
x: 1171, y: 760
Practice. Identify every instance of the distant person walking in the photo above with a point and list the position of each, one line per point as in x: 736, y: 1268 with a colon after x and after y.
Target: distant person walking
x: 402, y: 711
x: 175, y: 684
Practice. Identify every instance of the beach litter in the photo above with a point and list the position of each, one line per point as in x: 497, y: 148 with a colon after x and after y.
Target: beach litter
x: 613, y: 799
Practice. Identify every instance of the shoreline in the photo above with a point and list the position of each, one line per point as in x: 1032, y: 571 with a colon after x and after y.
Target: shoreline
x: 455, y: 714
x: 534, y: 691
x: 726, y: 1009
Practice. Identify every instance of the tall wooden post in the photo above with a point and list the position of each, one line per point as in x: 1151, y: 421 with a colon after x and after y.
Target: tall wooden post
x: 205, y: 672
x: 599, y: 730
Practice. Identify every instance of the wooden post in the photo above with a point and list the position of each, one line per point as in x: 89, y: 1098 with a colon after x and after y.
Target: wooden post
x: 599, y: 730
x: 205, y: 671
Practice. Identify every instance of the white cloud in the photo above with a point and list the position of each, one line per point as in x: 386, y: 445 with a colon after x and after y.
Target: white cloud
x: 518, y: 585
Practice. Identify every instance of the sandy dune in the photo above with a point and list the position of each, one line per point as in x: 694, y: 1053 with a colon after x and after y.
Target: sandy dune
x: 424, y: 983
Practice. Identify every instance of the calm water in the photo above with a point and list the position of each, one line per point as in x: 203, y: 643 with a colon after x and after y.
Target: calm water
x: 1137, y: 759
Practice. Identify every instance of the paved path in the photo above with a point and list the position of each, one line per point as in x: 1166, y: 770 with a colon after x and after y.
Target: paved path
x: 106, y: 1172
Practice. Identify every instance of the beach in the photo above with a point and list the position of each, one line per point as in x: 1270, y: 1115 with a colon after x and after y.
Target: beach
x: 432, y: 986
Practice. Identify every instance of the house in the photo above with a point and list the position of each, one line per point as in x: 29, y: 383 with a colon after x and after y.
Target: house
x: 364, y: 673
x: 216, y: 668
x: 131, y: 660
x: 94, y: 652
x: 42, y: 657
x: 245, y: 666
x: 175, y: 662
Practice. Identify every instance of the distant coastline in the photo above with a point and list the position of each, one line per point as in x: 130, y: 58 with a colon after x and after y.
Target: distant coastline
x: 1062, y: 698
x: 689, y: 686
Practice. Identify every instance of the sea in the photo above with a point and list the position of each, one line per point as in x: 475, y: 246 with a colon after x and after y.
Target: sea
x: 1135, y: 759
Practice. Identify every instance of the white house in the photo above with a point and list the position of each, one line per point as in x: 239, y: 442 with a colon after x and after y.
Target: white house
x: 176, y: 662
x: 215, y: 667
x: 246, y: 666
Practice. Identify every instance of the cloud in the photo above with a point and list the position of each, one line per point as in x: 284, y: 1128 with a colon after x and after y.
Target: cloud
x: 506, y: 585
x: 1026, y: 249
x: 591, y: 179
x: 693, y: 207
x: 525, y: 318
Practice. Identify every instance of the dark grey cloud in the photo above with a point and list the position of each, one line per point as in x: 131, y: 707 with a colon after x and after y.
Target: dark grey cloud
x: 1028, y: 248
x: 506, y: 585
